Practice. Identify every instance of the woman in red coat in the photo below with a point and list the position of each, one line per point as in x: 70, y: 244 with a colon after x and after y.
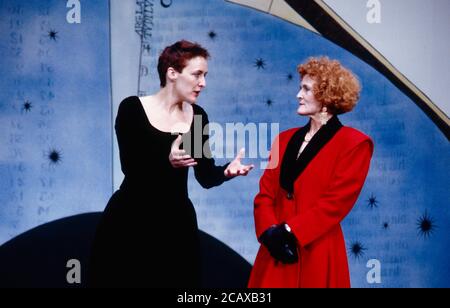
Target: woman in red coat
x: 314, y: 177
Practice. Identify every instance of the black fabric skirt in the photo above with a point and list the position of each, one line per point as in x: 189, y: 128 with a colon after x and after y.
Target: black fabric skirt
x: 143, y: 241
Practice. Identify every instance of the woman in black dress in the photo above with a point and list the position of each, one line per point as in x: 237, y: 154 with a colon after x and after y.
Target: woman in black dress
x: 148, y: 234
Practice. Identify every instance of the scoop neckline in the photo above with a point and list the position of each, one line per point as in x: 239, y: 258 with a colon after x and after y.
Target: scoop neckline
x: 162, y: 131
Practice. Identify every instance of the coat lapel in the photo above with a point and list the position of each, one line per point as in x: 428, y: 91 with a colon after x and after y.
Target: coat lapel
x: 291, y: 167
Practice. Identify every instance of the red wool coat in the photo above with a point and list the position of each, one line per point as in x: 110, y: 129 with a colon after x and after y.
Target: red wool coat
x: 323, y: 195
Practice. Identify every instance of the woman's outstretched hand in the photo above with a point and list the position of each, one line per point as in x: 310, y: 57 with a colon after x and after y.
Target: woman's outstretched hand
x: 178, y: 158
x: 235, y: 168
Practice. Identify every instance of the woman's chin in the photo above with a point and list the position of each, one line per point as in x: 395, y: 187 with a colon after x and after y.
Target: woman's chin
x: 301, y: 112
x: 192, y: 100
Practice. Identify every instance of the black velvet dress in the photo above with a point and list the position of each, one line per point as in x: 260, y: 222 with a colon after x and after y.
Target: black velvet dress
x: 148, y: 234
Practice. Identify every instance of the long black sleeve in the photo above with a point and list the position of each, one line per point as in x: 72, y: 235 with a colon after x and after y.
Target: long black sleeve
x: 206, y: 171
x: 129, y: 138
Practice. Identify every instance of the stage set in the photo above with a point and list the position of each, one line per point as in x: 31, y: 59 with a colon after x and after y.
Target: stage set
x: 67, y: 65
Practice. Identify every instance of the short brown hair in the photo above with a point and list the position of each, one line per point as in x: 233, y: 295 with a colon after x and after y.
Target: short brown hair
x: 176, y: 56
x: 336, y: 87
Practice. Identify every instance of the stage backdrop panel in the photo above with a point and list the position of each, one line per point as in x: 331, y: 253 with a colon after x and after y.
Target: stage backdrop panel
x: 55, y: 111
x: 402, y: 216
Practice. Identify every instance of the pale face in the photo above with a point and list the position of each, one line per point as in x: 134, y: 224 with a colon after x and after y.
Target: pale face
x: 308, y: 105
x: 192, y: 80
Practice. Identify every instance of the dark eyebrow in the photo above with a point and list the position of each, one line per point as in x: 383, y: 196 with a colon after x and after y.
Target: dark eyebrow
x: 200, y: 72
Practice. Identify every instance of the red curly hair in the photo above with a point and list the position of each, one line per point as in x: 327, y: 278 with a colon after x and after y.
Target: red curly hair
x: 336, y: 87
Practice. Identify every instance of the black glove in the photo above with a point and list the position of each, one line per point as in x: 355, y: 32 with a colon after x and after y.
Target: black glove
x: 281, y: 243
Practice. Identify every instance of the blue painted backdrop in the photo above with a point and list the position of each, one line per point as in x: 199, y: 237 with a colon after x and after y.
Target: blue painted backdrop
x: 400, y: 219
x: 55, y: 113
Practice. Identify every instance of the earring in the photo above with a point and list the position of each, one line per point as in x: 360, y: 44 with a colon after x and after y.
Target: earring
x: 323, y: 116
